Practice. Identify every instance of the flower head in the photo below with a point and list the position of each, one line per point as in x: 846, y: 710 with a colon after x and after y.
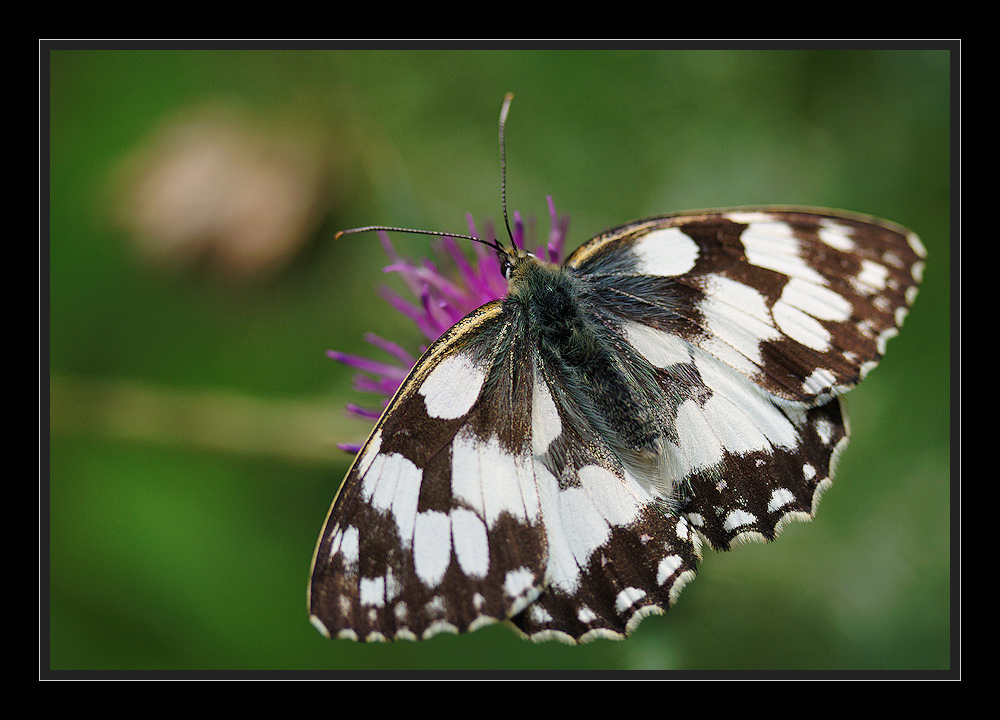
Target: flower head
x: 445, y: 292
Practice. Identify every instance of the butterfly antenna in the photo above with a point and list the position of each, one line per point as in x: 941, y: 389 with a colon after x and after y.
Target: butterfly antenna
x: 503, y: 164
x: 413, y: 231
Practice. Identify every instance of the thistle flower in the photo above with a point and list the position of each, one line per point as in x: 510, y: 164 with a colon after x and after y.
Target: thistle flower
x: 445, y: 292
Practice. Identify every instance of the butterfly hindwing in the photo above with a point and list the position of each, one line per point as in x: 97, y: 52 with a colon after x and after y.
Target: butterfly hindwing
x: 618, y: 574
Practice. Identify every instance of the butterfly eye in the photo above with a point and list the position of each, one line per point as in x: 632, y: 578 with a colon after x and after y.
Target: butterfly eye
x: 507, y: 267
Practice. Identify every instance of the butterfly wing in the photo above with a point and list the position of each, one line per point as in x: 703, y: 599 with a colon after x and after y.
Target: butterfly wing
x: 767, y: 315
x: 437, y: 526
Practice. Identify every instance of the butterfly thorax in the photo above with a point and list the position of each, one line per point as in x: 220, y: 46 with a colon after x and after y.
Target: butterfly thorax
x: 581, y: 356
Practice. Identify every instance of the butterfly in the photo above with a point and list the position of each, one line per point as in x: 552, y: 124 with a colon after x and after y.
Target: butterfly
x: 556, y: 459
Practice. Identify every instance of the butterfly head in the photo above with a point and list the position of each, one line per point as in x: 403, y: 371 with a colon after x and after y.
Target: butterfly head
x: 513, y: 258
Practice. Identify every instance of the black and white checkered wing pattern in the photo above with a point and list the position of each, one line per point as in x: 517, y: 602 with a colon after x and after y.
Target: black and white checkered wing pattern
x: 437, y: 526
x: 767, y: 316
x: 800, y: 302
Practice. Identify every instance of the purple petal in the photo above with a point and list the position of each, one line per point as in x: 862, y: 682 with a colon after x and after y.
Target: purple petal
x: 391, y: 348
x: 434, y: 279
x: 518, y: 230
x: 395, y: 259
x: 557, y: 232
x: 461, y: 262
x: 362, y: 363
x: 363, y: 412
x: 411, y: 311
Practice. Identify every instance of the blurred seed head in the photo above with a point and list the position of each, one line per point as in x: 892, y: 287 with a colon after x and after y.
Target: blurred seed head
x: 213, y: 187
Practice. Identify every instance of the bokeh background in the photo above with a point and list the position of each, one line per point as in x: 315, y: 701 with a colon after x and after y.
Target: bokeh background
x: 195, y: 287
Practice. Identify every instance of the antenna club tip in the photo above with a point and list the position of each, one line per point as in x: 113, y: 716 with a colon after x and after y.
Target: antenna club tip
x: 506, y: 107
x: 337, y: 235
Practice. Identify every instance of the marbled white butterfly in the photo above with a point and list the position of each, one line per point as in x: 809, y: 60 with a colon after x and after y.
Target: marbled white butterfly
x: 556, y: 459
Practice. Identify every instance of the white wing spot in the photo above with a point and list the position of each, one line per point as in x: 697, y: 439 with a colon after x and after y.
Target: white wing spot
x: 682, y: 529
x: 540, y: 615
x: 667, y: 567
x: 801, y: 327
x: 916, y: 245
x: 431, y: 546
x: 772, y: 244
x: 819, y: 381
x: 348, y: 545
x: 739, y: 518
x: 737, y: 320
x: 628, y: 597
x: 738, y: 414
x: 586, y: 513
x: 545, y: 423
x: 518, y: 582
x: 667, y: 251
x: 817, y: 301
x: 471, y: 543
x: 825, y: 431
x: 492, y: 480
x: 836, y: 235
x: 401, y: 612
x: 873, y: 275
x: 660, y: 348
x: 371, y: 591
x: 393, y: 484
x: 779, y: 498
x: 452, y: 387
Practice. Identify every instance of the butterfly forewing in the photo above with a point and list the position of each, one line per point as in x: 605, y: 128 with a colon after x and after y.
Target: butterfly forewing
x: 555, y: 459
x: 801, y: 302
x: 437, y: 526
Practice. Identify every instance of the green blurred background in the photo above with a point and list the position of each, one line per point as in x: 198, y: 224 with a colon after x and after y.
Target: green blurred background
x: 195, y: 288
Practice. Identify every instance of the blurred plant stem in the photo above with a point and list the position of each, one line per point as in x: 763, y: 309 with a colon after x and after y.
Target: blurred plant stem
x: 288, y: 430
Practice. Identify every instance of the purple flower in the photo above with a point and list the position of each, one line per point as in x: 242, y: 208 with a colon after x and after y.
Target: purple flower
x: 445, y: 292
